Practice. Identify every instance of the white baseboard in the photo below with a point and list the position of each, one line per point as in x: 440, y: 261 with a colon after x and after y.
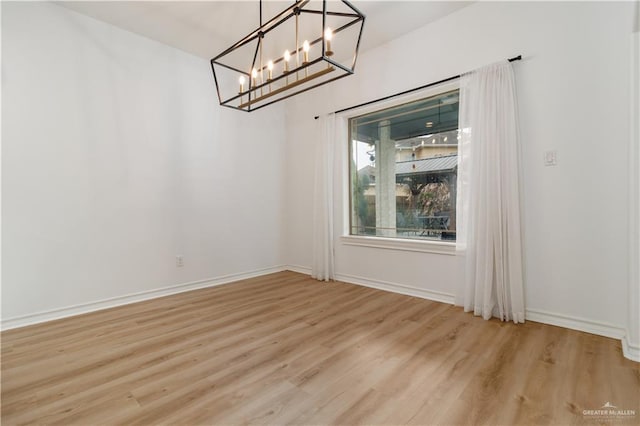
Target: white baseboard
x: 383, y: 285
x: 631, y: 351
x: 299, y: 269
x: 84, y: 308
x: 575, y: 323
x: 398, y: 288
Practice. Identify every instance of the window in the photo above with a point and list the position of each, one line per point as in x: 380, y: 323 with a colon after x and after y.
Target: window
x: 403, y: 170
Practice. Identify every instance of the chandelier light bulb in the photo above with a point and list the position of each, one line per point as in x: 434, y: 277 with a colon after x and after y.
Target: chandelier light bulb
x: 241, y: 81
x: 254, y: 76
x: 328, y: 35
x: 305, y: 48
x: 287, y: 56
x: 270, y: 68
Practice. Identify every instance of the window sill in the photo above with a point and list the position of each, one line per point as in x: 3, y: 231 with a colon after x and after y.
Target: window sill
x: 437, y: 247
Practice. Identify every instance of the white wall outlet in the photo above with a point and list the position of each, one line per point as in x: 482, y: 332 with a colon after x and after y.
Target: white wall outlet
x: 551, y: 158
x: 179, y: 260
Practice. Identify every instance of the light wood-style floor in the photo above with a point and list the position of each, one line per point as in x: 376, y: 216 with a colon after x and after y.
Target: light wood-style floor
x: 286, y: 349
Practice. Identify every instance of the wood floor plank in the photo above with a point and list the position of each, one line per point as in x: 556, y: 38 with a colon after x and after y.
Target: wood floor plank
x: 286, y: 349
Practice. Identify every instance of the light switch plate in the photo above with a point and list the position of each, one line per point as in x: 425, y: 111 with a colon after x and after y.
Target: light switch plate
x: 550, y: 158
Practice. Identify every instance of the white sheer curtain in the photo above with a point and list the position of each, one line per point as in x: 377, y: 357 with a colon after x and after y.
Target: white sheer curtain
x: 488, y: 214
x: 323, y: 258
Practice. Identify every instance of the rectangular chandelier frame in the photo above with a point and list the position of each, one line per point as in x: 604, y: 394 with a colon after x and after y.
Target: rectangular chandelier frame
x: 302, y: 76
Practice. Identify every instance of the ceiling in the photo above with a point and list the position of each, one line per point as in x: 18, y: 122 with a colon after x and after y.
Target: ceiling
x: 206, y: 28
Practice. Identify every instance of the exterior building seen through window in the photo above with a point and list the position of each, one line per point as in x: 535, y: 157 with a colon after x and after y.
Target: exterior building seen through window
x: 403, y: 170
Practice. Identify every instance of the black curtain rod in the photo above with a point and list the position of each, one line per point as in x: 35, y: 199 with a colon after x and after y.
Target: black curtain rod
x: 516, y: 58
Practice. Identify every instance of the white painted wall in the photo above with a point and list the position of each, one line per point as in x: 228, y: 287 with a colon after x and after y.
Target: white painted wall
x: 115, y: 158
x: 573, y: 89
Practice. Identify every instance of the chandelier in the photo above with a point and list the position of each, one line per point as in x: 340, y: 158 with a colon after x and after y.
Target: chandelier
x: 311, y: 43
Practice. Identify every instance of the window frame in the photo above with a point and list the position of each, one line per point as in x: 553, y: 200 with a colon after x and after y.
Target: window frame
x: 388, y: 243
